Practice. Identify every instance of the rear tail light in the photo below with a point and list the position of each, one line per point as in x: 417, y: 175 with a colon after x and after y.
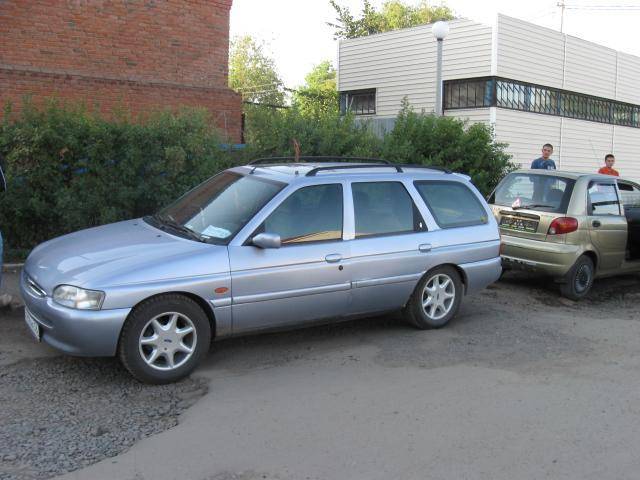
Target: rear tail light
x: 562, y: 225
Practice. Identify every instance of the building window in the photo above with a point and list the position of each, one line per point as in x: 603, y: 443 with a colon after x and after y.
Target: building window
x: 526, y: 97
x: 468, y: 93
x: 358, y: 102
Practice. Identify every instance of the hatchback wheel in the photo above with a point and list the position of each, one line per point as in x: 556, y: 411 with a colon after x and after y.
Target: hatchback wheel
x: 579, y: 280
x: 164, y: 339
x: 436, y: 299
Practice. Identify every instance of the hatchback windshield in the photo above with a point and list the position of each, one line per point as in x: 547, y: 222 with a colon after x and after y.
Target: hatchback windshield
x: 217, y: 209
x: 538, y: 192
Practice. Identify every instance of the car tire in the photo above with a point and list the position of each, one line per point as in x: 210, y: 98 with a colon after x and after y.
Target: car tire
x: 436, y: 299
x: 579, y: 280
x: 164, y: 339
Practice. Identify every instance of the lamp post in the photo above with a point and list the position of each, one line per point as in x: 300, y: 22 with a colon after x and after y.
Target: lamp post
x: 440, y: 30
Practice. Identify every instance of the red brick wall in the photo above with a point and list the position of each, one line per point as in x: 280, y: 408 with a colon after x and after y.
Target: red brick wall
x: 138, y: 54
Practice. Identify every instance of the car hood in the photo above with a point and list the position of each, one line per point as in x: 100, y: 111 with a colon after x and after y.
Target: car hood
x: 119, y: 254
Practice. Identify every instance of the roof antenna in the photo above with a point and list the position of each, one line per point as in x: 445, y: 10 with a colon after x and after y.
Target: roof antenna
x: 296, y: 150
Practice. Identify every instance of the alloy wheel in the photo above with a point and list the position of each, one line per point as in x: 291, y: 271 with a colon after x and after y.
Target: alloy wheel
x: 168, y: 341
x: 438, y: 296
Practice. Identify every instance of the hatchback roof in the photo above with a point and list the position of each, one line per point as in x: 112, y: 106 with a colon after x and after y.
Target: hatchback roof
x: 561, y: 173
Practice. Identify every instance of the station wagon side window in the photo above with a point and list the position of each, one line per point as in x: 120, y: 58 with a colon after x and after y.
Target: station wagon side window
x: 629, y: 194
x: 384, y: 208
x: 452, y: 204
x: 310, y: 214
x: 603, y: 199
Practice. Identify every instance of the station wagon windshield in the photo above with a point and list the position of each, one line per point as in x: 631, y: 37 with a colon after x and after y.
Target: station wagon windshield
x: 217, y: 209
x: 538, y: 192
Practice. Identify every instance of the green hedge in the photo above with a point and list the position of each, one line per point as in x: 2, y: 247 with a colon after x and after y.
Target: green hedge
x: 68, y: 169
x: 416, y: 138
x: 451, y: 143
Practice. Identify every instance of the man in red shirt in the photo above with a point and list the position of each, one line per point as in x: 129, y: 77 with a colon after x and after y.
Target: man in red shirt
x: 609, y: 159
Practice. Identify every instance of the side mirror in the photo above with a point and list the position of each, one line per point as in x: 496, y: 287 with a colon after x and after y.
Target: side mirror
x: 267, y: 240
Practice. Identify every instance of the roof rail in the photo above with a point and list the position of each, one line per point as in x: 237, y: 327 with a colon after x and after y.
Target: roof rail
x: 308, y: 159
x: 430, y: 167
x: 313, y: 171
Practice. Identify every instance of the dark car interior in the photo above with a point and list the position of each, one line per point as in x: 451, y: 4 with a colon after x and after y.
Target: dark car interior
x: 630, y: 196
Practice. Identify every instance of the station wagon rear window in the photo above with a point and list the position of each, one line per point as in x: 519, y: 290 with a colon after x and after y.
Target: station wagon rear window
x: 537, y: 192
x: 452, y: 204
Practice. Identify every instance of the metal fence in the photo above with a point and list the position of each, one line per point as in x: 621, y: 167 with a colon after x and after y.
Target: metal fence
x: 515, y: 95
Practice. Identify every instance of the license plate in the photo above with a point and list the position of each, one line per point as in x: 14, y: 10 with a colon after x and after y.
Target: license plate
x: 519, y: 224
x: 34, y: 328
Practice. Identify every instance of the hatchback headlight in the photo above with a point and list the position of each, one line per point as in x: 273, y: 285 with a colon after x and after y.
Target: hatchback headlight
x: 75, y: 297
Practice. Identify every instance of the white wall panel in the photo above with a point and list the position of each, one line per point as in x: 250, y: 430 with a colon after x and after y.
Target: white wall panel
x: 479, y: 115
x: 526, y: 133
x: 529, y: 53
x: 626, y: 148
x: 628, y: 78
x: 403, y: 63
x: 584, y: 145
x: 590, y: 68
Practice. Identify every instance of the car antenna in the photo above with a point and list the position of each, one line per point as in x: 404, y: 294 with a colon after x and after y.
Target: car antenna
x: 595, y: 157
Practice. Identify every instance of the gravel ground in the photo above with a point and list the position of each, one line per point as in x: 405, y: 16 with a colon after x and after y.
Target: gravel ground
x: 59, y: 414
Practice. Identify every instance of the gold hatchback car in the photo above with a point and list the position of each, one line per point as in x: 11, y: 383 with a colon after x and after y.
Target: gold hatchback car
x: 574, y: 227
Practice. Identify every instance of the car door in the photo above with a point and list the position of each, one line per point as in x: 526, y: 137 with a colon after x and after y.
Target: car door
x: 390, y: 246
x: 607, y: 224
x: 304, y: 279
x: 630, y: 197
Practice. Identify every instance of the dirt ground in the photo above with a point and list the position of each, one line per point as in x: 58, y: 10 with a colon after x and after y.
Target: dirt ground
x: 522, y: 384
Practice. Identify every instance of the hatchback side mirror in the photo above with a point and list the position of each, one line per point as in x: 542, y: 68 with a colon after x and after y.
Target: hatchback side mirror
x: 267, y: 240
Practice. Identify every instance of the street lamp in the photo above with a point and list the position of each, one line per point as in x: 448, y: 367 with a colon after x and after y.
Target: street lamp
x: 440, y: 30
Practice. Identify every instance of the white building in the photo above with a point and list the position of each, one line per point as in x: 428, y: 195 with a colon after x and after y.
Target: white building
x: 532, y: 84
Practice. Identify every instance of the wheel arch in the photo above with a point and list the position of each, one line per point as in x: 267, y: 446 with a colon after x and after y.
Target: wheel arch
x: 460, y: 271
x: 594, y: 258
x: 201, y: 302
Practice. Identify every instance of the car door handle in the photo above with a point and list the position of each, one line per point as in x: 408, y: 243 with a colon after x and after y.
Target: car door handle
x: 425, y: 247
x: 333, y: 257
x: 596, y: 223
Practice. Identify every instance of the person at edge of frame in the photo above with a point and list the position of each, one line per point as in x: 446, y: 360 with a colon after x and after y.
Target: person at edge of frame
x: 608, y: 169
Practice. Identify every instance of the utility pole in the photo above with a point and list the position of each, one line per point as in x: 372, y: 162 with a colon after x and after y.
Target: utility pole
x: 561, y: 5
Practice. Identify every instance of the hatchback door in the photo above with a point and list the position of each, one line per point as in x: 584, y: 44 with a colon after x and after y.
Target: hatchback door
x: 607, y: 224
x: 304, y: 279
x: 525, y: 204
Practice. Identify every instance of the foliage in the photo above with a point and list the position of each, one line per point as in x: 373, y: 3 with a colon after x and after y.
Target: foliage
x: 68, y: 169
x: 253, y: 74
x: 271, y: 133
x: 394, y: 15
x: 319, y: 95
x: 448, y: 142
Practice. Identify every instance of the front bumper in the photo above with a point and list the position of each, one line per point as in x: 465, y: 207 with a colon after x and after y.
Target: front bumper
x: 90, y: 333
x: 545, y: 258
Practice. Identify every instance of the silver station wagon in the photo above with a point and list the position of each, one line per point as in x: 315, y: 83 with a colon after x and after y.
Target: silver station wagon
x: 274, y: 244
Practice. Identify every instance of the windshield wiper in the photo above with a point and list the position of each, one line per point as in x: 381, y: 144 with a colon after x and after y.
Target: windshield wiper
x: 169, y: 221
x: 533, y: 205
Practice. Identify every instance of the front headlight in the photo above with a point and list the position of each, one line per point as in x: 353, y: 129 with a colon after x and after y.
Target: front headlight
x: 75, y: 297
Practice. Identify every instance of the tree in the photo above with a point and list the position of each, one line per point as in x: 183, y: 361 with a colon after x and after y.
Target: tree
x: 448, y: 142
x: 253, y: 74
x: 319, y: 93
x: 394, y: 15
